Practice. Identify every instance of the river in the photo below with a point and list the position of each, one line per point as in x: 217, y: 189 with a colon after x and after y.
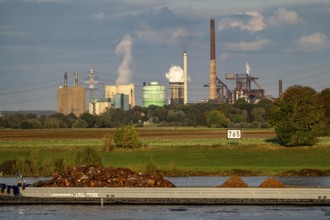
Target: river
x: 47, y: 212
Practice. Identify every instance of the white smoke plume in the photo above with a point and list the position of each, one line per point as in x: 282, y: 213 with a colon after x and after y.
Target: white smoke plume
x: 124, y: 48
x: 247, y: 68
x: 175, y: 74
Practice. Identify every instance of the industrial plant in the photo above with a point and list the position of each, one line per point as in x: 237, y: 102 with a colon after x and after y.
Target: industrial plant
x: 122, y: 94
x: 219, y: 92
x: 71, y: 99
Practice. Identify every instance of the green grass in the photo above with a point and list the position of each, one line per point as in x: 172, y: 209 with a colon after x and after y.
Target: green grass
x: 225, y: 158
x: 49, y: 143
x: 198, y: 155
x: 151, y: 142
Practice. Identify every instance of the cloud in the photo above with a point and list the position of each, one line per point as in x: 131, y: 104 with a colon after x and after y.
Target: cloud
x: 166, y: 36
x: 256, y: 45
x: 224, y: 56
x: 313, y: 42
x: 254, y: 23
x: 283, y: 16
x: 180, y: 32
x: 98, y: 16
x: 152, y: 36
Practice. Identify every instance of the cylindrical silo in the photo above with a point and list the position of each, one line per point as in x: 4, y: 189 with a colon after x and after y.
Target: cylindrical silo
x: 154, y: 94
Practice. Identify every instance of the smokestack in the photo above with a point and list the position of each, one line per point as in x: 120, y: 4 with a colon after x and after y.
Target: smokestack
x: 65, y: 79
x: 280, y: 91
x: 185, y: 78
x: 75, y: 79
x: 213, y: 72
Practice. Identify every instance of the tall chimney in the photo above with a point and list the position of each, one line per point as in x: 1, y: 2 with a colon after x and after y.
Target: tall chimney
x: 280, y: 91
x: 65, y: 79
x: 75, y: 79
x: 213, y: 72
x: 185, y: 78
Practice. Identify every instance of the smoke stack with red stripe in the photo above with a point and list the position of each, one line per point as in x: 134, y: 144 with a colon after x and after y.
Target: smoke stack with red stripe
x: 213, y: 72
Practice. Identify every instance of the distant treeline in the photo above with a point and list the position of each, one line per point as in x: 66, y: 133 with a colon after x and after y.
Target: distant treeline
x: 241, y: 114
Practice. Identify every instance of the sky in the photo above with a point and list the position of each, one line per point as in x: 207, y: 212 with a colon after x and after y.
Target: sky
x: 131, y: 41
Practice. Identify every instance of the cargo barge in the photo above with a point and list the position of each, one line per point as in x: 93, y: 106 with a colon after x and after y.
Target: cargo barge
x: 169, y: 196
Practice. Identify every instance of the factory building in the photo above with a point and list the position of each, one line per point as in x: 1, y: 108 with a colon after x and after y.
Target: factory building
x: 154, y: 94
x: 176, y: 92
x: 99, y: 106
x: 111, y: 91
x: 71, y: 99
x: 121, y: 101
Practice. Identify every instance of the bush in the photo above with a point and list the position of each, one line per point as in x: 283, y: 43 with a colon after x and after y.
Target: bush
x: 107, y: 139
x: 298, y: 117
x: 59, y: 164
x: 30, y: 124
x: 88, y: 156
x: 126, y: 137
x: 217, y: 119
x: 265, y: 125
x: 52, y: 123
x: 80, y: 123
x: 23, y: 167
x: 8, y: 167
x: 151, y: 167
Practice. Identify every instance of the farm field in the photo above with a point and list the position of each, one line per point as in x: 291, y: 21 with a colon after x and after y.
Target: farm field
x: 178, y: 151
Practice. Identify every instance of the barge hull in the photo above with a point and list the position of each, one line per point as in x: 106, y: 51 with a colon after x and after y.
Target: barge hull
x: 185, y: 195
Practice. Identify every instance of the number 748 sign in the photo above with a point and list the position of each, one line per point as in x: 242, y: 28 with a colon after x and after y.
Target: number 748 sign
x: 234, y: 134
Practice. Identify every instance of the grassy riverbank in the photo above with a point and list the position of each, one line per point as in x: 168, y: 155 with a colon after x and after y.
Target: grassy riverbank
x: 176, y: 151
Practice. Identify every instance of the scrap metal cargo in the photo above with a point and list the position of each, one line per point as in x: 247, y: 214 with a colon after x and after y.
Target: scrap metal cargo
x: 99, y: 185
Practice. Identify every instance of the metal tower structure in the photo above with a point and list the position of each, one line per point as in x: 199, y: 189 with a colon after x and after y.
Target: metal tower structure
x: 91, y: 82
x: 243, y: 86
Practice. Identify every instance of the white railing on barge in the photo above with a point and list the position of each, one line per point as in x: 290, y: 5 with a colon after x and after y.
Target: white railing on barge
x: 180, y: 193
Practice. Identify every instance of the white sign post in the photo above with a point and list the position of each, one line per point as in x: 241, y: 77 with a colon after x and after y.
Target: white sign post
x: 234, y: 134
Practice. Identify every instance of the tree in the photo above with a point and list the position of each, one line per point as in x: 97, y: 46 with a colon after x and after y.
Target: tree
x: 258, y: 114
x: 267, y: 105
x: 31, y: 124
x: 89, y: 119
x: 325, y: 96
x: 52, y: 123
x: 217, y: 119
x: 298, y: 117
x: 126, y: 137
x: 63, y: 120
x: 80, y: 123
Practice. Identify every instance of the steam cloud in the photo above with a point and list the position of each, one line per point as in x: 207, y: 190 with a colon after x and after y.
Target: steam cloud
x: 175, y: 74
x: 247, y: 68
x: 124, y: 71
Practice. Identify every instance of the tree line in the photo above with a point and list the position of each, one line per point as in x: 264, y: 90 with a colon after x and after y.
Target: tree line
x: 299, y: 116
x: 240, y: 114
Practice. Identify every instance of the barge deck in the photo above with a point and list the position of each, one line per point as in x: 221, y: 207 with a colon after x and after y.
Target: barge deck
x: 184, y: 195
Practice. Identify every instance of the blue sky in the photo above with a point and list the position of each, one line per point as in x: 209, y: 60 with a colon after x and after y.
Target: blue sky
x: 42, y: 39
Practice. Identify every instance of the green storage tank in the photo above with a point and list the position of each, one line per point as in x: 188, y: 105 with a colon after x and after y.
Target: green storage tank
x: 154, y: 94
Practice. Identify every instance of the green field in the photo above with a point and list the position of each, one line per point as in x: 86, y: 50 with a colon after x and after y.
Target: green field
x: 192, y: 155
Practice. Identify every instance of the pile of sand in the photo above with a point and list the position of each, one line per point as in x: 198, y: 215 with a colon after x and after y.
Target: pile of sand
x: 234, y: 182
x: 272, y: 183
